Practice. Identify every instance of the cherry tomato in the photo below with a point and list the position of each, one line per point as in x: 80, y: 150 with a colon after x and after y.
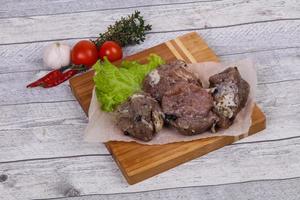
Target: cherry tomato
x: 111, y: 50
x: 84, y: 53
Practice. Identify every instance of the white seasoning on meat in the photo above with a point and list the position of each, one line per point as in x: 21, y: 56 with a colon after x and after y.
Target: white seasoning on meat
x: 137, y: 96
x: 226, y: 99
x: 154, y: 77
x: 124, y: 111
x: 185, y: 74
x: 157, y: 118
x: 147, y: 124
x: 213, y: 128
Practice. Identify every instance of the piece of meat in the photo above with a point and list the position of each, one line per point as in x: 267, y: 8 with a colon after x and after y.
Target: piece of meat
x: 188, y: 108
x: 230, y: 93
x: 140, y: 117
x: 166, y: 76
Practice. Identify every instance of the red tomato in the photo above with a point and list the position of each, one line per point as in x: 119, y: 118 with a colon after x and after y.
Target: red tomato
x: 84, y: 53
x: 111, y: 50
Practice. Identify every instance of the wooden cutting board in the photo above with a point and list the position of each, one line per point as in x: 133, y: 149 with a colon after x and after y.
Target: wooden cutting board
x: 139, y: 162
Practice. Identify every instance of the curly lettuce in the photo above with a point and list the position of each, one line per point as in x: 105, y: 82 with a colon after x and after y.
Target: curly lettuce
x: 115, y: 84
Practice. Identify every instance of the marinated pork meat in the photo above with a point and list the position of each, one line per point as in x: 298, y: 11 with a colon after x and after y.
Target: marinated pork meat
x: 166, y: 76
x: 140, y: 117
x: 230, y: 93
x: 188, y: 108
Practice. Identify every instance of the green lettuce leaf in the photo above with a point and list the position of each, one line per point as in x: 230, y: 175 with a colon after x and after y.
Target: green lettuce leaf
x: 115, y: 84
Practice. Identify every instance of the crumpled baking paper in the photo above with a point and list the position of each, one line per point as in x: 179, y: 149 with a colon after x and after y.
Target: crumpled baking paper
x: 101, y: 126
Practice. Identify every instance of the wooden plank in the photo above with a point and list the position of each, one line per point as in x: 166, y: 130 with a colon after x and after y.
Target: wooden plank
x: 287, y: 189
x: 239, y: 39
x: 139, y: 162
x: 274, y: 65
x: 163, y: 18
x: 39, y: 114
x: 229, y: 40
x: 17, y: 8
x: 59, y: 132
x: 47, y: 141
x: 54, y: 178
x: 15, y: 83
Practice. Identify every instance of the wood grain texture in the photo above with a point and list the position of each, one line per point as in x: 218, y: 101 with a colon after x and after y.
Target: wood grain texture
x: 273, y: 43
x: 163, y: 18
x: 38, y: 114
x: 273, y: 94
x: 47, y: 141
x: 277, y: 65
x: 99, y: 175
x: 139, y: 162
x: 18, y: 82
x: 46, y: 134
x: 17, y: 8
x: 224, y: 41
x: 287, y: 189
x: 272, y: 66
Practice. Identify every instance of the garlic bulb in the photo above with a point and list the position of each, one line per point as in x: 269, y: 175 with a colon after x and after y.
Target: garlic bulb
x: 57, y: 55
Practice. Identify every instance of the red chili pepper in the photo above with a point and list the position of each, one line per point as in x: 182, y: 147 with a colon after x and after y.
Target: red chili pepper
x: 57, y: 76
x: 51, y: 75
x: 65, y: 76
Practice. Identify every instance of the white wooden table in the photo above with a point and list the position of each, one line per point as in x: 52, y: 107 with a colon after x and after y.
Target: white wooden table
x: 42, y: 153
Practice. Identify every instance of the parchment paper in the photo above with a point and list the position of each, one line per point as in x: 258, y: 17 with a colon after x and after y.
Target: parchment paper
x: 101, y: 126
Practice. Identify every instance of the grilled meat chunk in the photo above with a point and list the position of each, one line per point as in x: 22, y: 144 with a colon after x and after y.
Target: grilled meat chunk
x: 166, y: 76
x: 188, y: 108
x: 140, y: 117
x: 230, y: 93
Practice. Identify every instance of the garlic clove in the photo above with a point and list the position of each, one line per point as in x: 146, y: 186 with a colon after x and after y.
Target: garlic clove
x: 57, y: 55
x: 66, y: 50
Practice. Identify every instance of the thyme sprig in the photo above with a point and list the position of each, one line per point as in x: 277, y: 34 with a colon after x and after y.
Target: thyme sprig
x: 128, y: 30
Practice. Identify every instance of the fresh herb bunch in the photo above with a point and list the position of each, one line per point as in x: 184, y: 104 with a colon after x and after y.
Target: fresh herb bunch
x: 127, y: 31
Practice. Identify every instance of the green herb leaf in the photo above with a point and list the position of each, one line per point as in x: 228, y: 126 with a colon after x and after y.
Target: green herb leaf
x: 115, y: 84
x: 128, y: 30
